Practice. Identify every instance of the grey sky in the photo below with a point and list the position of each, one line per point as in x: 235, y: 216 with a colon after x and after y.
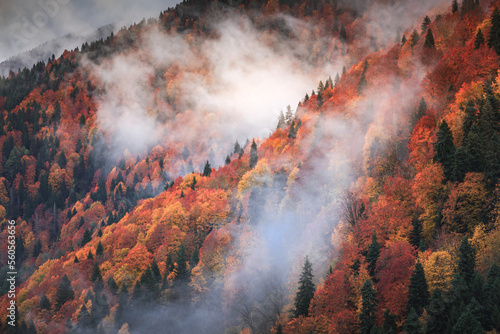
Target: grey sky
x: 25, y: 24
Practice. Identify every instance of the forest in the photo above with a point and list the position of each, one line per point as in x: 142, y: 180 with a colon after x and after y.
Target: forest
x: 259, y: 166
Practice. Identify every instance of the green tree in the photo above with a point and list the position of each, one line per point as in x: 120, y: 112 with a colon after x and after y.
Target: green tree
x: 362, y: 83
x: 95, y: 274
x: 425, y: 24
x: 494, y: 36
x: 412, y: 324
x: 389, y: 326
x: 87, y: 236
x: 64, y: 292
x: 369, y: 302
x: 418, y: 291
x: 414, y: 38
x: 306, y: 290
x: 182, y: 269
x: 45, y: 303
x: 373, y: 254
x: 343, y: 34
x: 429, y: 40
x: 479, y: 39
x: 468, y: 324
x: 461, y: 165
x: 437, y: 316
x: 99, y: 249
x: 466, y: 261
x: 253, y: 154
x: 454, y: 6
x: 207, y: 170
x: 445, y: 149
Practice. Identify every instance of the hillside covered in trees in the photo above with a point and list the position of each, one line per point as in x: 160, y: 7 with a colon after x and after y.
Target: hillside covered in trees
x: 280, y: 166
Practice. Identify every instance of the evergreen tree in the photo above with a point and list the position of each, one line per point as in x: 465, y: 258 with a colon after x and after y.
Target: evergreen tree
x: 207, y: 170
x: 253, y: 154
x: 373, y: 254
x: 362, y: 83
x: 389, y: 326
x: 305, y: 291
x: 418, y: 291
x: 343, y: 34
x: 425, y: 24
x: 445, y: 149
x: 113, y: 287
x: 75, y: 260
x: 412, y: 323
x: 155, y: 270
x: 83, y: 318
x: 87, y: 236
x: 494, y: 37
x: 436, y: 313
x: 90, y: 256
x: 420, y: 112
x: 281, y: 121
x: 461, y: 165
x: 479, y: 39
x: 195, y: 258
x: 468, y: 324
x: 227, y: 162
x: 182, y: 269
x: 237, y: 148
x: 99, y: 249
x: 96, y: 273
x: 416, y: 232
x: 403, y: 40
x: 45, y: 303
x: 414, y: 38
x: 64, y: 292
x: 429, y: 40
x: 37, y: 249
x: 466, y: 261
x: 454, y: 6
x: 474, y: 148
x: 369, y: 301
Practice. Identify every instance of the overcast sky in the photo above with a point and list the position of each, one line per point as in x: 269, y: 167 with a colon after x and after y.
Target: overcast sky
x: 25, y: 24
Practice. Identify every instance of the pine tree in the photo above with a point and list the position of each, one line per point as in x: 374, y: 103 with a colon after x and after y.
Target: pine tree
x: 416, y: 232
x: 253, y: 154
x: 369, y: 302
x: 436, y: 313
x: 281, y: 121
x: 96, y: 273
x: 461, y: 165
x: 468, y: 324
x: 87, y: 236
x: 419, y: 113
x: 429, y: 40
x: 454, y: 6
x: 343, y: 34
x: 182, y: 270
x: 466, y: 261
x: 155, y: 270
x: 113, y: 287
x: 479, y: 39
x: 445, y: 149
x: 389, y: 326
x: 494, y: 37
x: 412, y: 323
x: 373, y: 254
x: 414, y: 38
x: 83, y: 318
x: 195, y: 258
x: 227, y: 162
x: 237, y: 148
x: 45, y: 303
x: 425, y: 24
x: 418, y: 291
x: 305, y: 291
x: 99, y: 249
x: 90, y: 256
x: 64, y: 292
x: 75, y: 260
x: 403, y: 40
x: 362, y: 83
x: 207, y: 170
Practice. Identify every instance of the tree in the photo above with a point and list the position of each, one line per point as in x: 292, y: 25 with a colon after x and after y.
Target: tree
x: 412, y: 323
x: 87, y: 236
x: 437, y: 316
x: 418, y: 291
x: 389, y: 326
x: 373, y: 255
x: 468, y: 324
x: 182, y: 270
x: 494, y: 37
x: 253, y: 154
x: 362, y: 83
x: 45, y: 303
x: 207, y: 170
x: 454, y: 6
x: 425, y: 24
x: 445, y: 149
x: 429, y: 40
x: 343, y: 34
x: 306, y: 290
x: 479, y: 39
x: 99, y: 249
x: 64, y: 292
x: 369, y: 302
x: 90, y: 256
x: 281, y: 121
x: 96, y: 273
x: 466, y: 260
x: 83, y: 317
x: 414, y: 38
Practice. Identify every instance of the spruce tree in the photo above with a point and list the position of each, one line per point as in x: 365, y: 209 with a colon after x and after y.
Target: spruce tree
x: 467, y: 324
x: 155, y: 270
x: 343, y: 34
x: 466, y: 261
x: 494, y: 37
x: 425, y: 24
x: 182, y: 270
x: 306, y: 290
x: 418, y: 291
x: 414, y: 38
x: 113, y: 287
x: 389, y: 326
x: 362, y: 83
x: 412, y: 324
x: 99, y: 249
x: 454, y: 6
x: 45, y: 303
x: 207, y: 170
x: 445, y: 149
x: 227, y: 162
x: 461, y: 165
x: 369, y: 302
x: 96, y: 273
x: 436, y: 313
x: 416, y: 232
x: 373, y: 254
x: 90, y: 256
x: 429, y: 40
x: 87, y: 236
x: 253, y: 154
x: 479, y: 39
x: 64, y: 292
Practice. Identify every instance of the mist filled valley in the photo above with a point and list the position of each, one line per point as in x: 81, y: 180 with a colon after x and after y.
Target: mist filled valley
x: 251, y: 166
